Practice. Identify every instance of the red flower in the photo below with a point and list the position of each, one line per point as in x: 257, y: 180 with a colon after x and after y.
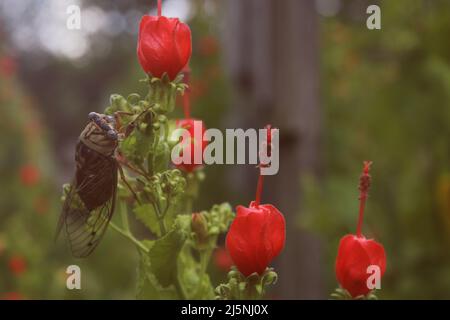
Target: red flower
x: 41, y: 205
x: 256, y: 237
x: 355, y: 255
x: 12, y: 296
x: 257, y: 233
x: 2, y: 246
x: 164, y: 45
x: 29, y: 175
x: 17, y: 265
x: 196, y: 143
x: 208, y: 46
x: 222, y: 259
x: 7, y: 66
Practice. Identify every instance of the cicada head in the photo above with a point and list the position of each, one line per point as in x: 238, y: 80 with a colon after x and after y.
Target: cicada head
x: 100, y: 134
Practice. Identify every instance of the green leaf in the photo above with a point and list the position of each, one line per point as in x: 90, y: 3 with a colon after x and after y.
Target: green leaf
x: 196, y: 285
x: 136, y: 146
x: 183, y: 222
x: 204, y: 290
x: 148, y: 287
x: 163, y: 257
x: 161, y: 157
x: 147, y: 215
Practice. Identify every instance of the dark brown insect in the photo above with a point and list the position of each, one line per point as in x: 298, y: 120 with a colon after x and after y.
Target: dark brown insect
x: 90, y: 200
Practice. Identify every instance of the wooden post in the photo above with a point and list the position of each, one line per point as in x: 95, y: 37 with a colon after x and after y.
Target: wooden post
x: 273, y: 58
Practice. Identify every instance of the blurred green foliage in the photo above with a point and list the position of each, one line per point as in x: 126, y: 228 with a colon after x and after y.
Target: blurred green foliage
x: 32, y: 265
x: 386, y: 98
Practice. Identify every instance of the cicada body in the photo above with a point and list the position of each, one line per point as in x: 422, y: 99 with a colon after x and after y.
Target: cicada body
x: 90, y: 199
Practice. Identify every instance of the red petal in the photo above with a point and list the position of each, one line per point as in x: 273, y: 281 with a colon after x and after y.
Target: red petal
x: 164, y: 45
x: 355, y: 255
x: 376, y: 254
x: 351, y: 265
x: 255, y: 237
x: 277, y: 230
x: 183, y: 44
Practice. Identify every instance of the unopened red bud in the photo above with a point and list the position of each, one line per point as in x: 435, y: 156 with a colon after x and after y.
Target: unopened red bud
x: 199, y: 226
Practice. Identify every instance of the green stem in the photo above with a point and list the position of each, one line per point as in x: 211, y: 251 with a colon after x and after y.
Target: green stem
x: 129, y: 236
x: 180, y: 289
x: 160, y: 218
x: 205, y: 256
x: 189, y: 204
x: 192, y: 186
x: 124, y: 216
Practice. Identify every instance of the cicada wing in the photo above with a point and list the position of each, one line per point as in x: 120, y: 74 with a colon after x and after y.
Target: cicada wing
x: 84, y: 227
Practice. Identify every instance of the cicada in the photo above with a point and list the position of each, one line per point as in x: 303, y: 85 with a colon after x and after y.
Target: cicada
x: 90, y: 199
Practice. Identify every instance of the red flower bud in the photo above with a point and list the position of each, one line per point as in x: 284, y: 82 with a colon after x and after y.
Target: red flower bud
x: 256, y: 237
x: 196, y: 143
x: 199, y: 226
x: 355, y: 255
x: 164, y: 45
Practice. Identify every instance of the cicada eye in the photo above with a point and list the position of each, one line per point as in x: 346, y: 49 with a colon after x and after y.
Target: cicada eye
x: 92, y: 116
x: 112, y: 134
x: 104, y: 126
x: 111, y: 119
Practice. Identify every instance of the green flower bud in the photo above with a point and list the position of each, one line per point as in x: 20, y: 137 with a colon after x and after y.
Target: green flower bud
x: 162, y: 118
x: 133, y: 98
x: 136, y: 109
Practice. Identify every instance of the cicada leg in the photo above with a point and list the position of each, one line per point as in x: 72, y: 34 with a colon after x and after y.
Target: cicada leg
x: 126, y: 130
x: 124, y: 179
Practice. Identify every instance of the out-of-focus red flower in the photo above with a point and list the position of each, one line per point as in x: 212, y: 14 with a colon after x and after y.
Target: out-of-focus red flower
x: 32, y: 129
x: 256, y: 237
x: 213, y: 72
x: 199, y: 88
x: 29, y: 175
x: 164, y: 45
x: 222, y: 259
x: 2, y: 245
x: 196, y: 143
x: 355, y: 255
x: 208, y: 46
x: 7, y: 66
x: 41, y: 205
x: 17, y: 265
x: 12, y: 296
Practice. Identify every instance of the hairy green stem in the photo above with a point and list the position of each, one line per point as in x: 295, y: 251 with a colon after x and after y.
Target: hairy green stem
x: 205, y: 256
x: 160, y: 217
x: 129, y: 236
x: 180, y: 289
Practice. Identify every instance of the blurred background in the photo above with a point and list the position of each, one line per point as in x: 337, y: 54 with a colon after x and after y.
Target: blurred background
x: 339, y: 93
